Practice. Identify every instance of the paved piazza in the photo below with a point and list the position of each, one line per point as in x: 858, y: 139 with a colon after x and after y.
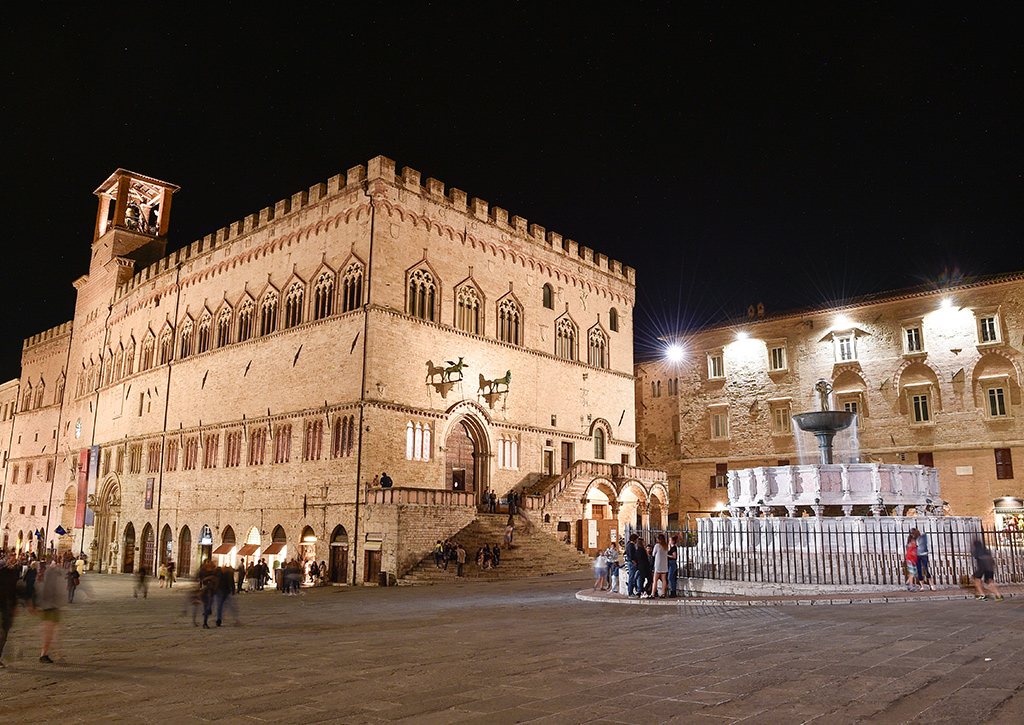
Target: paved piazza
x: 508, y: 652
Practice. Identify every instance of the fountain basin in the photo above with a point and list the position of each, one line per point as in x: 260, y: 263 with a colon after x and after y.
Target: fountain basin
x: 824, y: 420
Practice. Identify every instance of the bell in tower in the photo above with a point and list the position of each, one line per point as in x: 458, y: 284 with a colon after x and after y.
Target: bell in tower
x: 133, y: 215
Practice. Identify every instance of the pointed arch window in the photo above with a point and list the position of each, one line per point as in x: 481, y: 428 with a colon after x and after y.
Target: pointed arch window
x: 352, y: 287
x: 314, y: 439
x: 58, y: 393
x: 268, y: 313
x: 597, y: 348
x: 246, y: 312
x: 293, y: 304
x: 467, y: 309
x: 613, y: 320
x: 283, y: 443
x: 509, y: 321
x: 166, y: 349
x: 185, y: 348
x: 203, y: 336
x: 548, y: 297
x: 26, y: 401
x: 565, y: 339
x: 118, y: 363
x: 146, y: 359
x: 599, y: 444
x: 224, y: 327
x: 39, y: 394
x: 129, y: 359
x: 422, y: 295
x: 342, y: 436
x: 108, y: 368
x: 323, y: 296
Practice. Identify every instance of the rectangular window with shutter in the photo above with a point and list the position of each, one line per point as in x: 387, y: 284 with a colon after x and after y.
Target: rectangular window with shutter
x: 1004, y: 464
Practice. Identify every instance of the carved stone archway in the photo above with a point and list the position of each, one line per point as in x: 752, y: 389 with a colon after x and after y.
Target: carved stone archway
x: 106, y: 553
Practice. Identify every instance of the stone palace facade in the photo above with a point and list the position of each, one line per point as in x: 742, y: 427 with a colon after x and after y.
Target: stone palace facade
x: 934, y: 376
x: 242, y: 396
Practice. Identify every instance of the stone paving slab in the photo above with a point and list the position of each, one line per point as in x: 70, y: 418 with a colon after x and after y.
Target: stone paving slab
x: 518, y: 652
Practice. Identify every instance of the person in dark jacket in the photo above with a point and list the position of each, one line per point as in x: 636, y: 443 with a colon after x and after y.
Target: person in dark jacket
x: 8, y: 598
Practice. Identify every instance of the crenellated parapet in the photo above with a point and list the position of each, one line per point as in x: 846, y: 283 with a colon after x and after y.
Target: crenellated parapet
x: 361, y: 178
x: 52, y: 334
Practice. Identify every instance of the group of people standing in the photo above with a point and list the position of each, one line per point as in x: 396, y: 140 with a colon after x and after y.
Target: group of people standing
x: 449, y: 551
x: 38, y: 586
x: 650, y: 565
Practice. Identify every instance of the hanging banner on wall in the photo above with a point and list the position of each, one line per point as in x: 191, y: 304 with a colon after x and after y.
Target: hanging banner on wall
x: 83, y: 487
x: 94, y: 468
x: 149, y: 492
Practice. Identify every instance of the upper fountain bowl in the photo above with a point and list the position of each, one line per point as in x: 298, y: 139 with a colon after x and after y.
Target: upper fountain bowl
x: 824, y: 421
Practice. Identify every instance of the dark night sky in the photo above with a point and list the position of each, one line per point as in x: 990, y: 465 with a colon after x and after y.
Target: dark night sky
x: 789, y: 157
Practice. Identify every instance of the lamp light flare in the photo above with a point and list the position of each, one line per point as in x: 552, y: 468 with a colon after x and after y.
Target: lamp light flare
x: 674, y: 353
x: 946, y: 304
x: 742, y: 335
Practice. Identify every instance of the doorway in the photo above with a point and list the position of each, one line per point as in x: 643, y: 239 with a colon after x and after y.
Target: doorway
x: 459, y: 458
x: 129, y: 550
x: 371, y: 567
x: 339, y: 555
x: 567, y: 456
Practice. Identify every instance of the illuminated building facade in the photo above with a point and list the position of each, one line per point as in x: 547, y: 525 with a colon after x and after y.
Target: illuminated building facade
x: 934, y: 376
x: 241, y: 396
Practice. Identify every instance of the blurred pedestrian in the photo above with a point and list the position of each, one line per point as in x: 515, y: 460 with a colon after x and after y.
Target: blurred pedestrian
x: 141, y: 584
x: 911, y: 562
x: 9, y: 576
x: 48, y: 600
x: 924, y: 574
x: 984, y: 570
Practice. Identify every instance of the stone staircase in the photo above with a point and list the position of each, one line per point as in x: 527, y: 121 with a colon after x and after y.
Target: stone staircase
x: 534, y: 552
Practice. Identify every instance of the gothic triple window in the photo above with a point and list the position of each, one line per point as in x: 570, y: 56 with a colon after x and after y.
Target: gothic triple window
x: 565, y: 338
x: 203, y: 336
x: 224, y: 327
x: 597, y: 348
x: 166, y: 349
x: 257, y: 445
x: 510, y: 323
x: 283, y: 443
x: 352, y: 288
x: 293, y: 304
x: 268, y: 313
x: 467, y: 309
x: 232, y: 449
x: 146, y: 360
x: 246, y: 313
x: 343, y: 436
x: 417, y: 441
x: 323, y: 296
x: 129, y: 359
x: 422, y: 295
x: 186, y: 339
x: 314, y: 439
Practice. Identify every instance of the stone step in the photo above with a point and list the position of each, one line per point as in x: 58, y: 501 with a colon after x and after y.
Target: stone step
x: 534, y: 553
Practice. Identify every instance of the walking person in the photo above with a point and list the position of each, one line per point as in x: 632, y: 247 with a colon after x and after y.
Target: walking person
x: 460, y: 558
x: 48, y: 596
x: 141, y: 584
x: 984, y: 570
x: 492, y: 503
x: 170, y: 573
x: 73, y: 581
x: 438, y: 553
x: 510, y: 530
x: 632, y: 569
x: 9, y: 576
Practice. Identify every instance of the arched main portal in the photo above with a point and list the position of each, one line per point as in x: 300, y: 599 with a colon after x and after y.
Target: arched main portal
x: 467, y: 453
x: 108, y: 511
x: 599, y: 526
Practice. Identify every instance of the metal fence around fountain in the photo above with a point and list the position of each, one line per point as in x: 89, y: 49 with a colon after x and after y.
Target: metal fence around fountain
x: 838, y: 557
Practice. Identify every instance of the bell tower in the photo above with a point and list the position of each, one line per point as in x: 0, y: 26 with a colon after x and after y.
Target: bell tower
x: 132, y: 219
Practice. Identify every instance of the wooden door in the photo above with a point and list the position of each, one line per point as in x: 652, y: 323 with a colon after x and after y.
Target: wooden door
x: 339, y: 564
x: 371, y: 567
x: 567, y: 456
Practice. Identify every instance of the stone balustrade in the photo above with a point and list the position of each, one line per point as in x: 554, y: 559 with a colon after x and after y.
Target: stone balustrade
x: 846, y: 485
x: 420, y: 496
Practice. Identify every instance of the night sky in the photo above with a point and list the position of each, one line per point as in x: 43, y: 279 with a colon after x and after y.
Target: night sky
x: 731, y: 157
